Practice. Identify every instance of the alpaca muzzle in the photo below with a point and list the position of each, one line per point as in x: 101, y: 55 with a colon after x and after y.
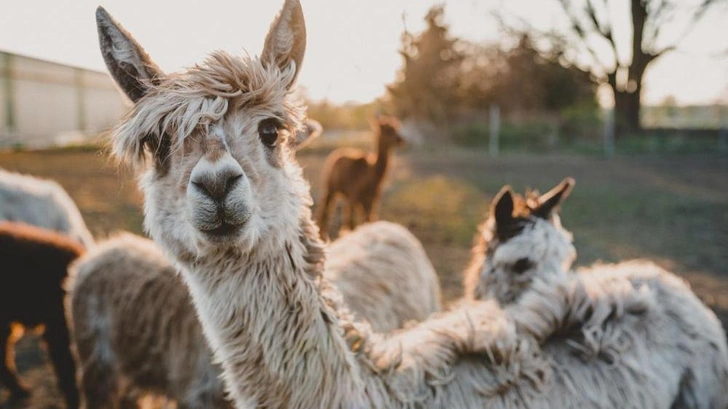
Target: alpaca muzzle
x: 218, y: 197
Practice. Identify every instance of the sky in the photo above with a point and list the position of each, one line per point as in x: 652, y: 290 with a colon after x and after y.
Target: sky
x: 352, y: 44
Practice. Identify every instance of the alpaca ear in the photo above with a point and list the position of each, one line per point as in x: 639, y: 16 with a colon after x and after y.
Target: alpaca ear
x: 285, y: 43
x: 550, y: 201
x: 502, y: 207
x: 312, y: 130
x: 128, y: 63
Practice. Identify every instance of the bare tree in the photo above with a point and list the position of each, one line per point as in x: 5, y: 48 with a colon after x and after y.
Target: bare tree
x: 657, y: 28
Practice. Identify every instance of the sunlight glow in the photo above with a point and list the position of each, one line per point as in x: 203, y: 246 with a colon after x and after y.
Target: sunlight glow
x: 352, y: 44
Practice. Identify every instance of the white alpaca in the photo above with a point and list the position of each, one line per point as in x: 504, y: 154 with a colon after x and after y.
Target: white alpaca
x: 384, y: 275
x: 517, y: 243
x: 523, y: 245
x: 226, y: 199
x: 128, y: 307
x: 41, y: 203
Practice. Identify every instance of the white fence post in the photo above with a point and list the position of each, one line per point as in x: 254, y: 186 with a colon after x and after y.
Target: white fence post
x: 609, y: 130
x: 494, y: 126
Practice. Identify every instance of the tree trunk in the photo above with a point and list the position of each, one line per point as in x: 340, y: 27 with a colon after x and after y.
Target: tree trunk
x: 627, y: 111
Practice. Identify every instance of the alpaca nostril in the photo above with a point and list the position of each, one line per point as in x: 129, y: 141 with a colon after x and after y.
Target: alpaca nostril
x: 202, y: 188
x: 231, y: 182
x: 216, y: 188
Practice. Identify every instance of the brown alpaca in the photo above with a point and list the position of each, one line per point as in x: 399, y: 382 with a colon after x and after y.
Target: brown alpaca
x: 35, y: 266
x: 357, y: 176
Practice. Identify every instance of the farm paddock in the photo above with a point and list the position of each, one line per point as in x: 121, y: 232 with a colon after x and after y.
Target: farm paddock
x: 671, y: 209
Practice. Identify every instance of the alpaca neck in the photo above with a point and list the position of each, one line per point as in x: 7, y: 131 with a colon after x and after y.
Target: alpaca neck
x: 382, y: 161
x: 276, y: 337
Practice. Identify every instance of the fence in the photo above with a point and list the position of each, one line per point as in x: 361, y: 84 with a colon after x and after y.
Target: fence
x: 46, y: 104
x: 592, y: 134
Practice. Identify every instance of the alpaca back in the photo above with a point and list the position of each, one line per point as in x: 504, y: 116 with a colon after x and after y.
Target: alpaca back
x: 133, y: 315
x: 572, y: 341
x: 631, y: 314
x: 42, y: 203
x: 689, y: 327
x: 384, y: 275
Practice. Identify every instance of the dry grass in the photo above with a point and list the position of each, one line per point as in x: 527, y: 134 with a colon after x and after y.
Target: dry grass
x: 672, y: 209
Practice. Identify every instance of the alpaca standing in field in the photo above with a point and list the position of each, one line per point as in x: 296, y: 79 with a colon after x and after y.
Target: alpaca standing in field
x: 227, y: 200
x: 41, y: 203
x: 34, y: 267
x: 357, y: 176
x: 136, y: 330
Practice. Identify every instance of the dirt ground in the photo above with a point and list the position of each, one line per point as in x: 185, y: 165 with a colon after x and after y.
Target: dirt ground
x: 670, y: 209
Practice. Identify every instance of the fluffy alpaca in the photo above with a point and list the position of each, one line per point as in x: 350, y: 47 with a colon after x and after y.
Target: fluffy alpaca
x: 227, y: 200
x: 357, y: 176
x: 521, y: 238
x: 35, y: 265
x: 384, y: 274
x: 523, y: 246
x: 42, y: 203
x: 136, y: 331
x: 121, y: 287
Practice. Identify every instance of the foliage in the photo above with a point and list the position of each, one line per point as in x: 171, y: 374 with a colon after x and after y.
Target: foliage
x: 427, y: 83
x: 588, y: 29
x: 521, y: 80
x: 346, y: 116
x: 446, y: 81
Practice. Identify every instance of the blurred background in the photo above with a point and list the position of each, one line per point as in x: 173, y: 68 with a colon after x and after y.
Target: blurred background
x: 630, y: 97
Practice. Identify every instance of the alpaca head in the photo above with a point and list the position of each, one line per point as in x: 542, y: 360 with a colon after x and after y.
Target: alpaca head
x: 215, y: 143
x: 387, y: 129
x: 521, y: 239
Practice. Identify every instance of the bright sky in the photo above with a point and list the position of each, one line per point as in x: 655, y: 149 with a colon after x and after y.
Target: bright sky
x: 352, y: 44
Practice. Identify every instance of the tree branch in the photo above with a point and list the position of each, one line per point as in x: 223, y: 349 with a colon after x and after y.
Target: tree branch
x: 581, y: 32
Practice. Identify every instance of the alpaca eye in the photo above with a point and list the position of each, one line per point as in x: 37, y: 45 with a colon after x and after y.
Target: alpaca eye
x: 268, y: 131
x: 521, y: 265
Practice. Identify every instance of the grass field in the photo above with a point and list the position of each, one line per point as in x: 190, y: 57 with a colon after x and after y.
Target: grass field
x: 671, y: 209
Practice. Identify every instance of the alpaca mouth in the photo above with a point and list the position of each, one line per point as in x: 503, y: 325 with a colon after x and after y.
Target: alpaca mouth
x: 225, y: 229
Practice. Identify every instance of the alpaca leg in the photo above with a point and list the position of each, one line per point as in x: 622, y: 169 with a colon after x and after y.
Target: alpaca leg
x: 351, y: 210
x: 324, y: 213
x: 129, y: 399
x: 100, y: 381
x: 8, y: 374
x: 370, y: 211
x: 59, y: 348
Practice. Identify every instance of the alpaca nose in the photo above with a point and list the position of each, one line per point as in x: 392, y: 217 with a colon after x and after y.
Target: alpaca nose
x: 217, y: 185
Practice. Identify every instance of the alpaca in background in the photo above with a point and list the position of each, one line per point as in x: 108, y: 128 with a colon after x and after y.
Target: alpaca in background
x: 41, y: 203
x: 252, y: 258
x: 357, y: 176
x: 523, y: 248
x: 521, y: 239
x: 34, y: 267
x: 136, y: 331
x: 384, y: 274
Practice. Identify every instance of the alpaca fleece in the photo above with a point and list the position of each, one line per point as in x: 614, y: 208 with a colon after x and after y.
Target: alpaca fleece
x: 41, y: 203
x: 384, y: 274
